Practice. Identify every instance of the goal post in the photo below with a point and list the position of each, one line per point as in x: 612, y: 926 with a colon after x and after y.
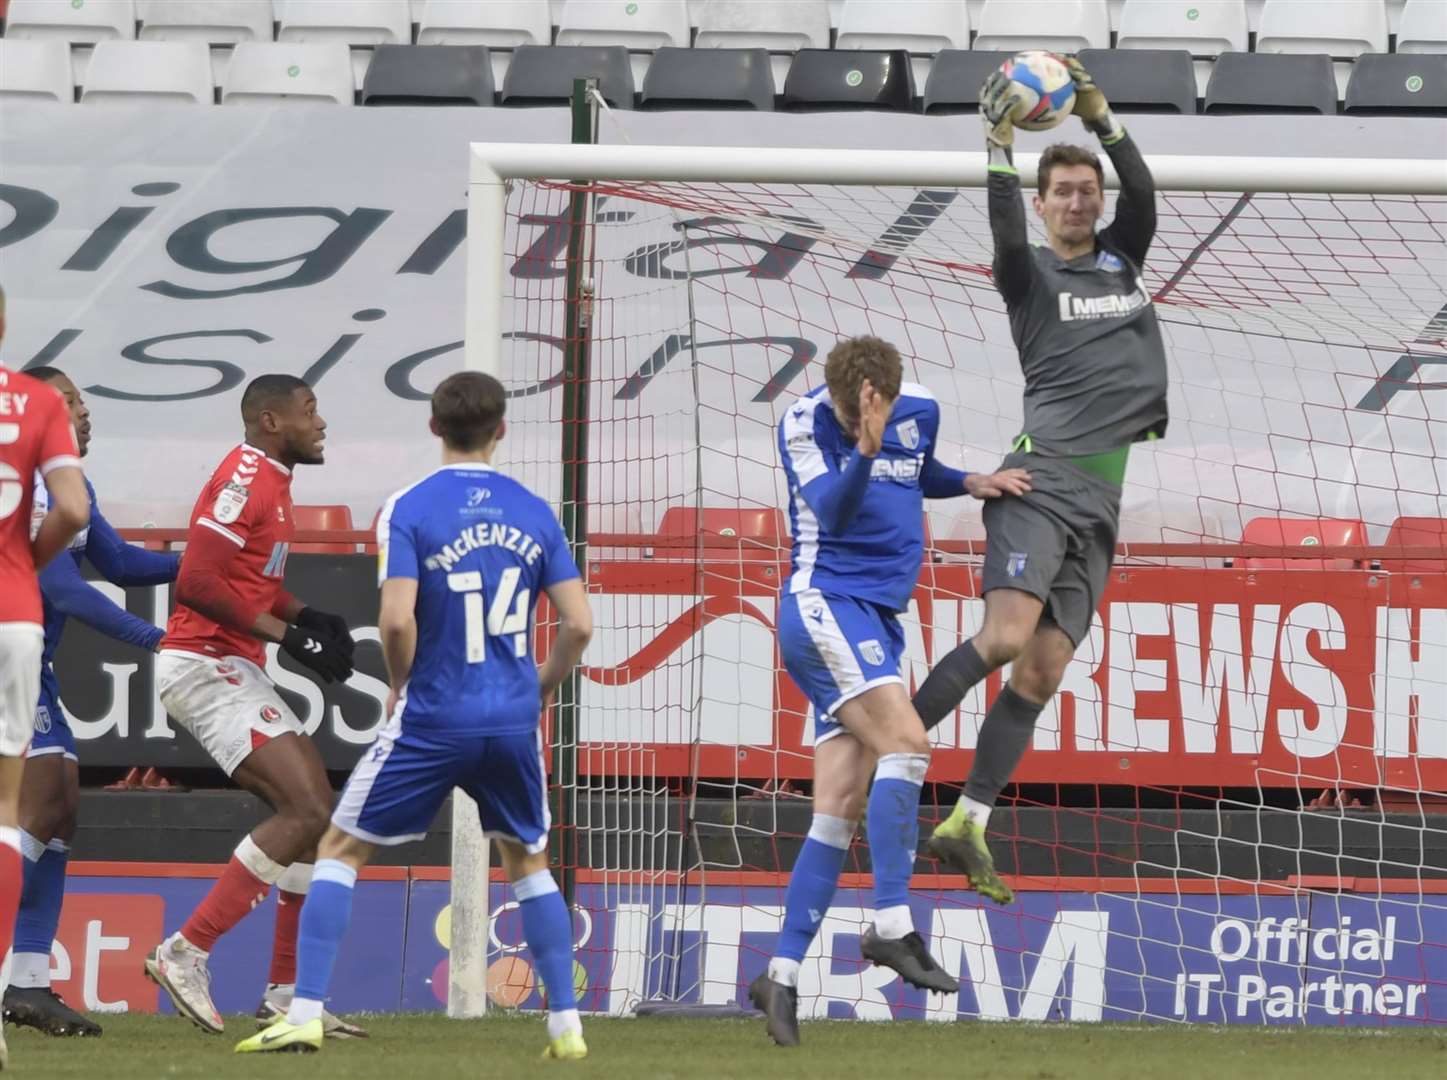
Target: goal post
x: 1302, y: 307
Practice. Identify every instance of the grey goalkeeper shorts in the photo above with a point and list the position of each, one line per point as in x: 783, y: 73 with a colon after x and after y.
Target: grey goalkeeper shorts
x: 1056, y: 543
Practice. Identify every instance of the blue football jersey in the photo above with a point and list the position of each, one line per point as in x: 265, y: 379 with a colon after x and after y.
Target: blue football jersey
x: 482, y: 548
x: 876, y: 556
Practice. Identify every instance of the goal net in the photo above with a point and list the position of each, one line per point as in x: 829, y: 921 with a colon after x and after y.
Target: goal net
x: 1233, y: 810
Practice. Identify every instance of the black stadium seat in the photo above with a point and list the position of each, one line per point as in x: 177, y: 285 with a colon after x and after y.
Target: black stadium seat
x: 544, y: 74
x: 828, y: 79
x: 1144, y: 80
x: 1408, y: 84
x: 429, y: 75
x: 709, y: 79
x: 955, y: 79
x: 1271, y: 82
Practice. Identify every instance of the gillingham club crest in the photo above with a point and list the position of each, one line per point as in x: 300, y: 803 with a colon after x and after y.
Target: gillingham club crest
x: 1015, y: 564
x: 909, y: 434
x: 872, y: 651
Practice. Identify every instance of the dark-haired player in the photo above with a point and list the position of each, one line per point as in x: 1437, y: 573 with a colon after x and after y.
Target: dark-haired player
x: 465, y: 554
x: 50, y: 796
x: 229, y: 603
x: 1095, y: 382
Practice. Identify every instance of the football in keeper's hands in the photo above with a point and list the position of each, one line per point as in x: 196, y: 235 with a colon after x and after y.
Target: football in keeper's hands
x: 1043, y: 89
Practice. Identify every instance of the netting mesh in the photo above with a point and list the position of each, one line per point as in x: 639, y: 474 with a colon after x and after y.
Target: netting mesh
x: 1163, y: 830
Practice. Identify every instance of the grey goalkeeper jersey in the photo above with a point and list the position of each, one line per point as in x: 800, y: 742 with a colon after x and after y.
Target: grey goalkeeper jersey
x: 1090, y: 347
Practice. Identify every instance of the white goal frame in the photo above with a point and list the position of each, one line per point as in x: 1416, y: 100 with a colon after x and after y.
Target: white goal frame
x: 494, y: 165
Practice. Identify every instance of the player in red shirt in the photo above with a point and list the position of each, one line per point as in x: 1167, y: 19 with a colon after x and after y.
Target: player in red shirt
x: 35, y: 436
x: 210, y: 675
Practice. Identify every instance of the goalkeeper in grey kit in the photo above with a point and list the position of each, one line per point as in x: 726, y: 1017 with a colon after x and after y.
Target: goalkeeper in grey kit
x: 1095, y: 382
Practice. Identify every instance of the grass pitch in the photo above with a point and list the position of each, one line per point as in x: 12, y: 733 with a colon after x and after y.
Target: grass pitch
x: 416, y: 1047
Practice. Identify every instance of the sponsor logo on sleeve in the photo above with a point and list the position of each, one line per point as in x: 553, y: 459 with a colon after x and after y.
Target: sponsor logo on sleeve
x: 230, y: 501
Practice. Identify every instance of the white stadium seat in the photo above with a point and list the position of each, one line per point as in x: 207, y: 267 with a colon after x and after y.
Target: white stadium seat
x: 216, y: 22
x: 1339, y: 28
x: 352, y: 22
x: 264, y: 71
x: 641, y: 25
x: 95, y: 20
x: 501, y: 25
x: 1423, y: 28
x: 177, y: 71
x: 1062, y: 25
x: 361, y: 24
x: 1202, y: 27
x: 35, y: 70
x: 918, y: 26
x: 779, y: 28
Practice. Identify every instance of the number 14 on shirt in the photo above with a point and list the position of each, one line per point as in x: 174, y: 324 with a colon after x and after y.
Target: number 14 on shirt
x: 508, y: 613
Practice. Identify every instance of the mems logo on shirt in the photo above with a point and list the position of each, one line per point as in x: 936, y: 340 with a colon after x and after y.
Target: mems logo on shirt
x: 1111, y: 306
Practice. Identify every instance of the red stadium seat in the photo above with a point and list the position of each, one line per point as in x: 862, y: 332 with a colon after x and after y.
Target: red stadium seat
x: 1306, y: 532
x: 762, y: 530
x: 338, y: 518
x: 1418, y: 532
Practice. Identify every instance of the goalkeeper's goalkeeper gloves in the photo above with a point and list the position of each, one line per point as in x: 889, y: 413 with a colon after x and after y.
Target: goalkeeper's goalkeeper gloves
x: 1090, y: 104
x: 333, y: 626
x: 998, y: 99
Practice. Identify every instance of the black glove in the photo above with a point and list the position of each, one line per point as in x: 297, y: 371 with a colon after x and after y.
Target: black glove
x: 324, y: 655
x: 332, y: 626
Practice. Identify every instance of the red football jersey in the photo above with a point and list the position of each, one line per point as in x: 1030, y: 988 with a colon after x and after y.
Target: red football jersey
x: 35, y: 435
x: 248, y: 501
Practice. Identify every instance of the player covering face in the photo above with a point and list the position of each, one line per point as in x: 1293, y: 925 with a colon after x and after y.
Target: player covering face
x: 464, y: 555
x: 50, y: 795
x: 1095, y: 382
x: 859, y: 454
x: 210, y: 674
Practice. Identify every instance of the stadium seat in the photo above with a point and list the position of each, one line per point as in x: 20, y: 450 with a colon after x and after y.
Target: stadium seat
x: 501, y: 25
x: 218, y: 23
x: 544, y: 74
x: 1253, y: 83
x: 639, y: 25
x: 35, y: 71
x: 780, y: 28
x: 1418, y: 532
x: 763, y: 531
x: 708, y: 79
x: 955, y: 79
x: 78, y: 24
x: 1307, y: 532
x: 1144, y: 80
x: 360, y: 24
x: 1340, y: 28
x: 829, y: 79
x: 1061, y: 25
x: 265, y: 71
x: 1423, y: 28
x: 429, y: 75
x: 336, y: 518
x: 215, y: 22
x: 1401, y: 85
x: 920, y: 27
x: 129, y: 71
x: 1203, y: 27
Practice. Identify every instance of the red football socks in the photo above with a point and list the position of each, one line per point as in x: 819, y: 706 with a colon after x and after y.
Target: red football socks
x: 283, y: 946
x: 233, y: 896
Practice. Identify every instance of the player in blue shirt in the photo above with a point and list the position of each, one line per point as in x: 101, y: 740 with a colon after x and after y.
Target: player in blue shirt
x: 50, y: 793
x: 859, y: 454
x: 464, y: 555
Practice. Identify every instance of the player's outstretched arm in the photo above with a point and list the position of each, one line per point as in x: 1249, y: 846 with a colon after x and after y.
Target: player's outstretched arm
x: 64, y: 589
x: 575, y: 629
x: 1134, y: 226
x: 1013, y: 266
x: 68, y: 513
x: 124, y: 564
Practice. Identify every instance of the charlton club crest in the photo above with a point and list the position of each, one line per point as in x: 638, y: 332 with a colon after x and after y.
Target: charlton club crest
x: 909, y: 434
